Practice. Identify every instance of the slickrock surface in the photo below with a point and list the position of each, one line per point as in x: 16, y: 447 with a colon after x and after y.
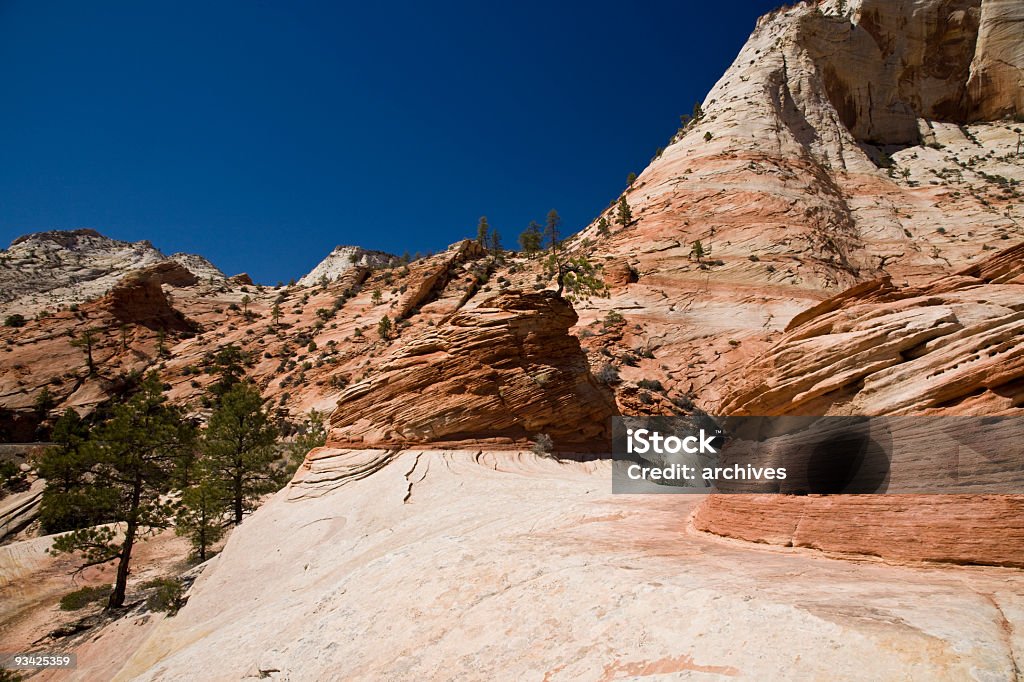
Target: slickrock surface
x: 478, y: 565
x: 503, y: 371
x: 51, y: 269
x: 342, y: 259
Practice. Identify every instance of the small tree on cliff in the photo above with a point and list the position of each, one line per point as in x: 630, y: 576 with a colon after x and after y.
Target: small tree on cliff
x: 87, y: 341
x: 551, y: 226
x: 577, y: 277
x: 698, y: 251
x: 625, y: 213
x: 482, y: 229
x: 384, y: 328
x: 531, y: 238
x: 495, y: 240
x: 602, y: 227
x: 131, y: 460
x: 238, y: 448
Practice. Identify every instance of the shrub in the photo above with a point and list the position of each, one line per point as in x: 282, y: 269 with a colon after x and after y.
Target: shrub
x: 168, y: 595
x: 651, y: 385
x: 15, y: 320
x: 542, y: 445
x: 73, y: 601
x: 608, y: 374
x: 613, y: 318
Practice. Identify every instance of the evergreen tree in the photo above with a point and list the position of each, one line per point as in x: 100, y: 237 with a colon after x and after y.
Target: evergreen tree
x: 87, y: 341
x: 577, y: 277
x: 625, y: 214
x: 698, y: 251
x: 602, y: 227
x: 630, y: 179
x: 384, y: 328
x: 531, y: 238
x: 131, y: 461
x: 495, y: 242
x: 376, y: 297
x: 201, y: 515
x: 482, y: 229
x: 551, y: 229
x: 238, y: 448
x: 65, y: 504
x: 228, y: 365
x: 275, y: 314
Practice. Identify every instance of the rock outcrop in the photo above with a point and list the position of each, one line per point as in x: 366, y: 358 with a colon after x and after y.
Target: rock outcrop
x: 343, y: 258
x: 47, y: 270
x: 956, y: 345
x: 502, y: 372
x: 139, y: 298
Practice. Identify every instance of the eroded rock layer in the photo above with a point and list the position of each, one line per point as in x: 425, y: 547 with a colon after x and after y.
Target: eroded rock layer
x: 504, y: 371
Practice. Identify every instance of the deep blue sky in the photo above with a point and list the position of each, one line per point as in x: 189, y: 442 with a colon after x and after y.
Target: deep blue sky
x: 262, y: 134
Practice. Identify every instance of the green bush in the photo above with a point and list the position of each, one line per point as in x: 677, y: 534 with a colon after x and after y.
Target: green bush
x: 168, y: 595
x: 73, y: 601
x: 15, y: 320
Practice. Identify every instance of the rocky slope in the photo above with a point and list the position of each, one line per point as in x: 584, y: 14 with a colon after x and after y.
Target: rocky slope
x: 857, y: 199
x: 342, y: 259
x: 47, y: 270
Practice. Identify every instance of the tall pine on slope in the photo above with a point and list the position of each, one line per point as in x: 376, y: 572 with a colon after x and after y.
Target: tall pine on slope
x: 132, y: 459
x: 238, y: 448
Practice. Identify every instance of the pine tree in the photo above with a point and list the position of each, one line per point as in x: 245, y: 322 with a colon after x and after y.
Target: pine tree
x: 531, y: 238
x: 131, y: 461
x: 577, y: 277
x: 602, y: 227
x: 551, y: 229
x: 275, y: 314
x: 228, y: 365
x: 384, y: 328
x: 87, y: 341
x: 698, y: 251
x: 376, y: 297
x: 63, y: 466
x: 238, y: 448
x: 482, y: 229
x: 630, y: 179
x: 625, y: 214
x: 495, y: 242
x: 201, y: 515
